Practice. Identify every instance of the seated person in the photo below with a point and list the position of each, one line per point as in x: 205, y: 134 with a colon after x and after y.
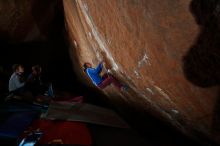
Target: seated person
x: 34, y: 82
x: 16, y: 81
x: 101, y: 81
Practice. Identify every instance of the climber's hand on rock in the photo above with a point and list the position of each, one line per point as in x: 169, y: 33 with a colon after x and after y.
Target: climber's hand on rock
x: 103, y: 63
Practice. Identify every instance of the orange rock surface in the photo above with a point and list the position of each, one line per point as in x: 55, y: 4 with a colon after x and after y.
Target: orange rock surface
x: 160, y: 49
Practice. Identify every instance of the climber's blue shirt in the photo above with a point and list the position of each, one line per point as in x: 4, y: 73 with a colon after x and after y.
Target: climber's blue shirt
x: 93, y: 73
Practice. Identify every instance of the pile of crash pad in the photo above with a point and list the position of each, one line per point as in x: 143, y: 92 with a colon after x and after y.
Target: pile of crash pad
x: 62, y: 120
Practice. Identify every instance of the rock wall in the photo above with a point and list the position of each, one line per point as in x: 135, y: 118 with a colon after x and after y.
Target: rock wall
x: 24, y: 21
x: 166, y: 51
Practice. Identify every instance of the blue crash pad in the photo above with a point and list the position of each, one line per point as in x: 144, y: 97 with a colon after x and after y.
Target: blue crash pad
x: 16, y: 123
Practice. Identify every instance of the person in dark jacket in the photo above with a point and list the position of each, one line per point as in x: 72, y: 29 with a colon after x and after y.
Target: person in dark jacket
x: 34, y: 82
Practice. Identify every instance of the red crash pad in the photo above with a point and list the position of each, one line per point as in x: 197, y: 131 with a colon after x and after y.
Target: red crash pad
x: 62, y: 132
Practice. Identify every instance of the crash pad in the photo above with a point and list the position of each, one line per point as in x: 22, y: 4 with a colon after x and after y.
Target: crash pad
x: 62, y: 132
x: 84, y: 112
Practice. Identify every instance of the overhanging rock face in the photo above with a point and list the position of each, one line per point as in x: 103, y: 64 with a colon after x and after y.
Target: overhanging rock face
x: 166, y: 51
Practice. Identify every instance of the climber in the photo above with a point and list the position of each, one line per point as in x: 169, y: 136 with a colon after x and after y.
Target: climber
x: 101, y: 81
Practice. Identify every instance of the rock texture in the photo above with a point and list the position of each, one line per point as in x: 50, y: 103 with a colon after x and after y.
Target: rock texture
x: 24, y: 21
x: 166, y: 51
